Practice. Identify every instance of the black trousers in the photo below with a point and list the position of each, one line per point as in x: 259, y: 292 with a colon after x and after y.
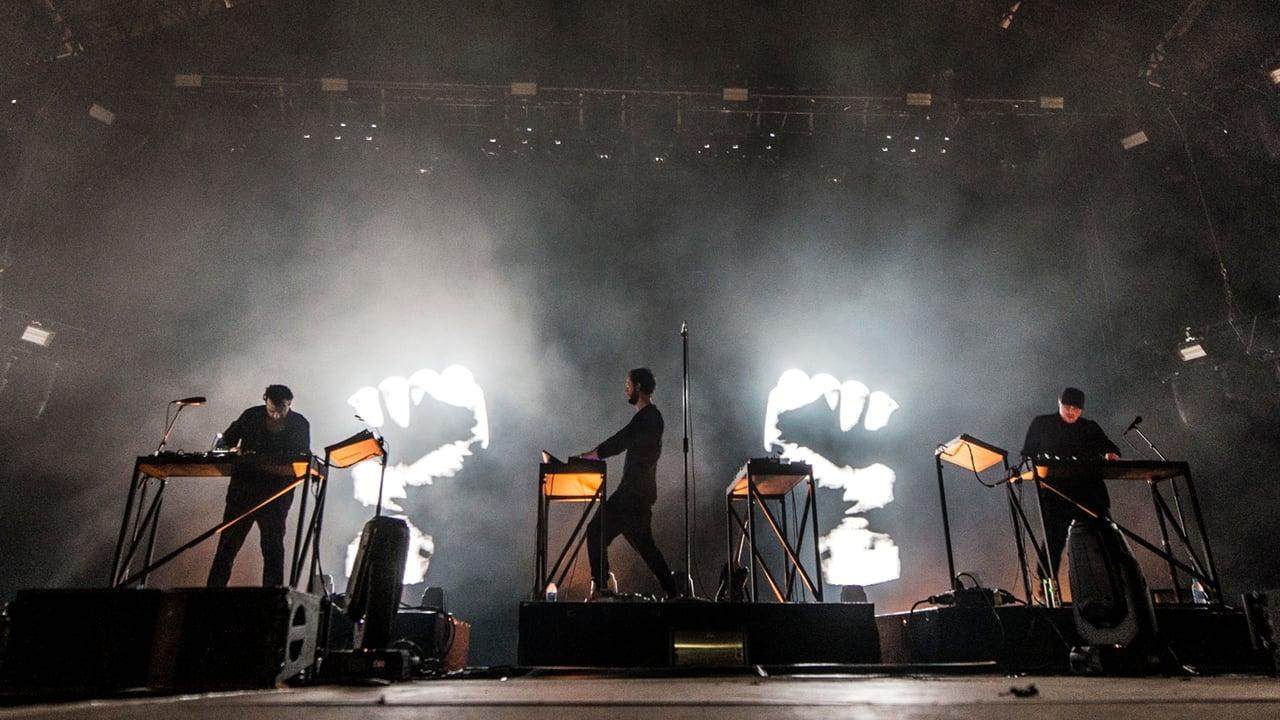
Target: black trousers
x: 242, y: 495
x: 1058, y: 515
x: 632, y: 520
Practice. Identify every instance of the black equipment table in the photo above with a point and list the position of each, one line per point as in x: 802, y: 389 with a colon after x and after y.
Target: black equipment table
x: 574, y: 481
x: 1153, y: 473
x: 138, y: 527
x: 760, y: 480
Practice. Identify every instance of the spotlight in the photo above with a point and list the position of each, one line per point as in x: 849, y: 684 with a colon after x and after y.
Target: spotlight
x: 101, y: 114
x: 1007, y: 19
x: 306, y: 136
x: 37, y: 335
x: 1130, y: 142
x: 1191, y: 348
x: 524, y: 89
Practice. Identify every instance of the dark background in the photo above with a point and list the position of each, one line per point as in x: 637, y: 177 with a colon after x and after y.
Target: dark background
x: 200, y: 244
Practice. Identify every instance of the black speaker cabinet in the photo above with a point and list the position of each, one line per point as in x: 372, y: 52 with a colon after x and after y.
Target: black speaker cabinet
x: 240, y: 637
x: 90, y: 640
x: 81, y: 640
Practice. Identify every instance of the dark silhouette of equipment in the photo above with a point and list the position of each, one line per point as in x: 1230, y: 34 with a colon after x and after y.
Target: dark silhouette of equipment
x: 1111, y: 605
x: 377, y: 579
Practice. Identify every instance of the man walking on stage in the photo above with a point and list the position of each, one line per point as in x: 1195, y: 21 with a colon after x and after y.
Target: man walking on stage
x: 629, y: 511
x: 1066, y: 435
x: 270, y: 428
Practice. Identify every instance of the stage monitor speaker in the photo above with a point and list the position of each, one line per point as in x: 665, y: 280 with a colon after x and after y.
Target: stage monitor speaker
x: 1111, y: 604
x: 188, y: 639
x: 1262, y: 611
x: 80, y: 640
x: 377, y: 579
x: 240, y: 637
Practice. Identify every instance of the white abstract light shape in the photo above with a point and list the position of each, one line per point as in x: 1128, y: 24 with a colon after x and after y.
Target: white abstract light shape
x: 454, y: 386
x: 851, y: 544
x: 853, y: 554
x: 395, y: 395
x: 867, y: 488
x: 421, y: 548
x: 879, y: 410
x: 365, y: 401
x: 365, y: 479
x: 853, y: 396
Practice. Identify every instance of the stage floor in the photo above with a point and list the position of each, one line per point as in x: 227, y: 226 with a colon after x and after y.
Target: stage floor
x: 568, y: 697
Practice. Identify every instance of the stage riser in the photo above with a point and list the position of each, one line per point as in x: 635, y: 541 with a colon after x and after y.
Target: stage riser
x: 187, y: 639
x: 1038, y: 639
x: 639, y: 634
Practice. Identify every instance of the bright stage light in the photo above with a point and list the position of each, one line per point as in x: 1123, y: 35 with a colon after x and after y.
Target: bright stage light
x: 854, y: 554
x: 1129, y: 142
x: 1191, y: 348
x: 37, y: 335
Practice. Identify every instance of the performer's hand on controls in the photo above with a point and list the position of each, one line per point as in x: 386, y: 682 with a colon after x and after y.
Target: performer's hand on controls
x: 589, y: 455
x: 1112, y: 456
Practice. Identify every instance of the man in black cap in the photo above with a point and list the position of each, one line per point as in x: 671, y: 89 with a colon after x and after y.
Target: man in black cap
x: 270, y: 428
x: 1065, y: 435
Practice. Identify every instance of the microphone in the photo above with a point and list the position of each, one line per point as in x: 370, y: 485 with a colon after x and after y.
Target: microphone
x: 1136, y: 422
x: 684, y: 329
x: 197, y: 400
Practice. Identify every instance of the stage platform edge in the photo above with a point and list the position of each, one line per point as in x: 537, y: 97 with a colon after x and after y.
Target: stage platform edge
x: 670, y: 634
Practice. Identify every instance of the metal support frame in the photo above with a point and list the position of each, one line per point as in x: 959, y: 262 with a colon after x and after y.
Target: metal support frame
x: 138, y: 527
x: 1202, y: 567
x: 746, y: 529
x: 559, y: 570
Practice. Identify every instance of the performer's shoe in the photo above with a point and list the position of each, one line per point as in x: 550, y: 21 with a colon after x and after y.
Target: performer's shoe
x: 608, y: 592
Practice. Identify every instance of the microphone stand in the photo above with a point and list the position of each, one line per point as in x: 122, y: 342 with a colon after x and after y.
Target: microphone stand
x: 687, y: 581
x: 382, y: 477
x: 169, y: 427
x: 1177, y: 497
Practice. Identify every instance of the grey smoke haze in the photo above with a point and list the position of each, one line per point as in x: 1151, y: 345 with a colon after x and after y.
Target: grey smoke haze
x: 972, y: 295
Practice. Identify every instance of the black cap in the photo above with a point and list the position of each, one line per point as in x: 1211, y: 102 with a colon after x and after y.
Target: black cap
x: 1073, y: 397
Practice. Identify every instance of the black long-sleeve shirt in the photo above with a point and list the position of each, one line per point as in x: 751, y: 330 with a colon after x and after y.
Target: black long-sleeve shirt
x: 1051, y: 436
x: 250, y: 431
x: 642, y: 441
